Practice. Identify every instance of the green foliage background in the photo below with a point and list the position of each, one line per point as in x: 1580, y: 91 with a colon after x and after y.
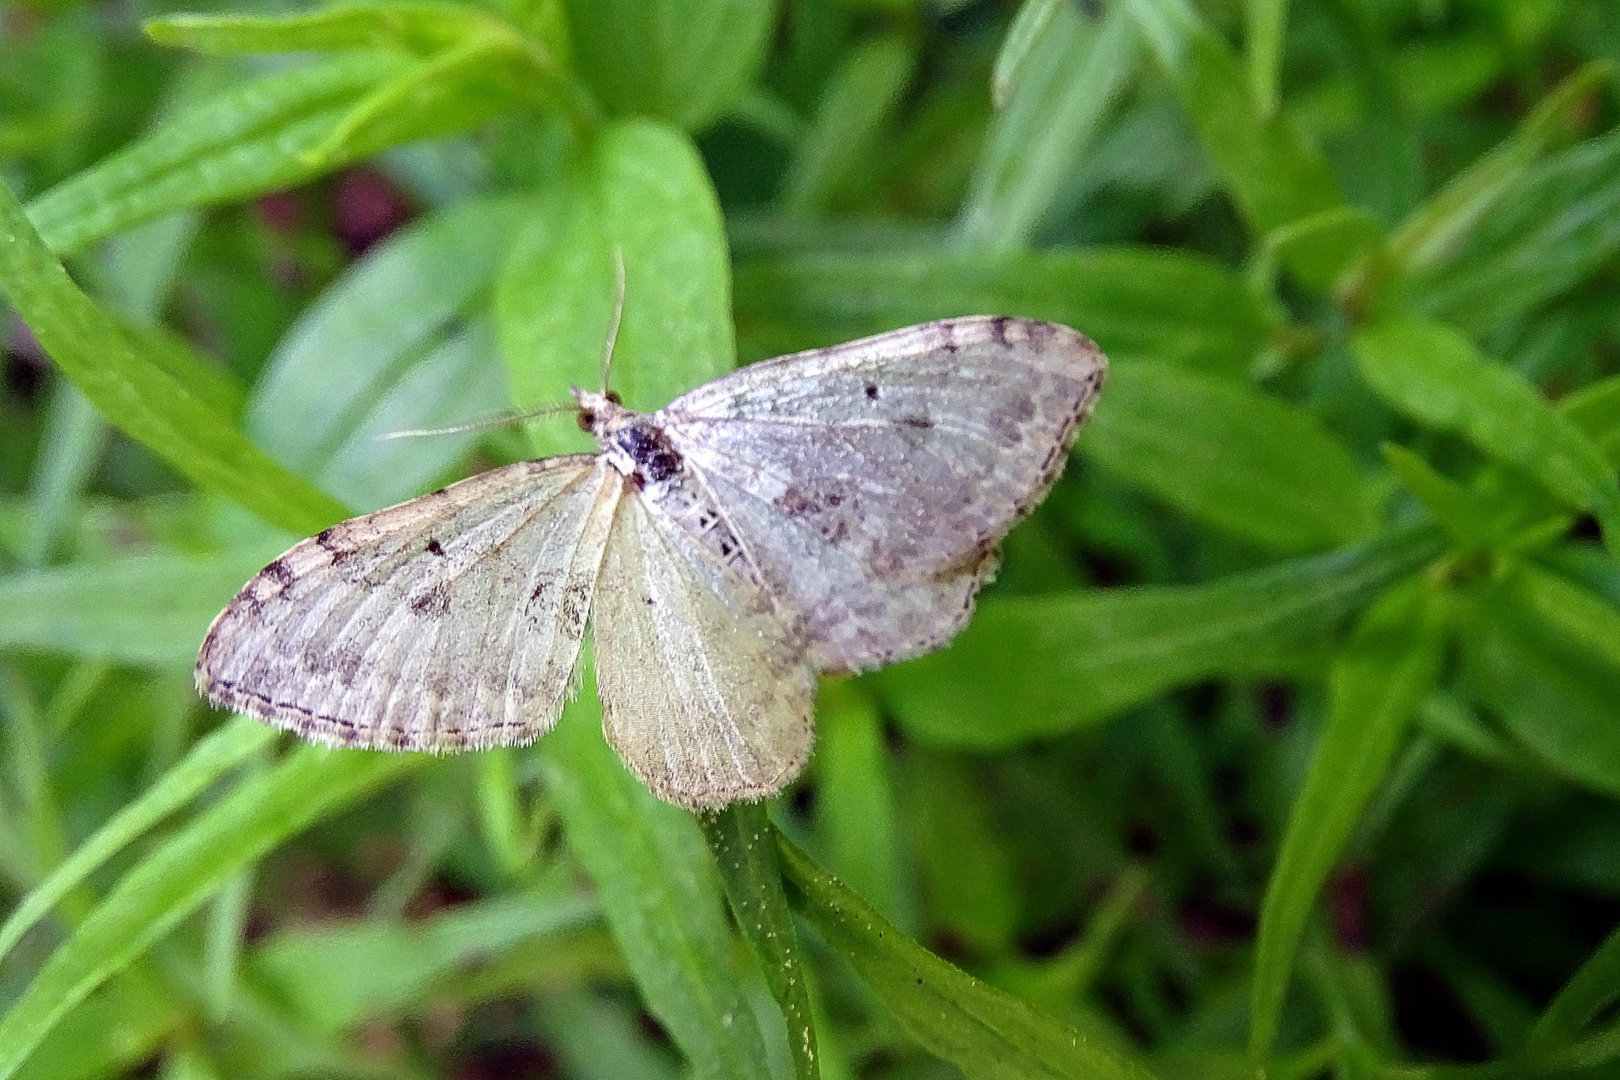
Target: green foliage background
x: 1287, y: 744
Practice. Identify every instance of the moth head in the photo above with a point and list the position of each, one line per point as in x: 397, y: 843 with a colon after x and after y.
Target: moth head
x: 599, y: 413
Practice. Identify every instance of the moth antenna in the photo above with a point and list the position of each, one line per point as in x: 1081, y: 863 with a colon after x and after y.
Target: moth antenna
x: 482, y: 423
x: 618, y: 311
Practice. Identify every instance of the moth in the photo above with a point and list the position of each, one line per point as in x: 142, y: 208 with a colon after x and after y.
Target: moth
x: 829, y: 511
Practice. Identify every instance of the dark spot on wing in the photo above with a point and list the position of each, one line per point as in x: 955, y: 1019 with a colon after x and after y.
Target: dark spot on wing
x: 278, y: 573
x: 998, y: 329
x: 921, y: 423
x: 871, y: 392
x: 833, y: 498
x: 652, y: 453
x: 794, y: 502
x: 435, y: 547
x: 838, y: 532
x: 433, y: 603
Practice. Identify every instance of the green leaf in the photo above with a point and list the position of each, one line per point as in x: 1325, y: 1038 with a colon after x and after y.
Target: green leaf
x: 982, y: 1031
x: 1134, y: 302
x: 1590, y: 991
x: 389, y: 346
x: 681, y: 60
x: 1242, y: 461
x: 1545, y: 659
x: 417, y: 26
x: 1376, y: 686
x: 742, y: 840
x: 211, y: 758
x: 148, y: 610
x: 1437, y: 377
x: 639, y: 189
x: 253, y: 138
x: 1070, y: 70
x: 1595, y: 409
x: 179, y: 876
x: 856, y: 816
x: 1556, y: 227
x: 113, y: 1032
x: 337, y: 975
x: 1470, y: 520
x: 137, y: 394
x: 1434, y: 231
x: 1027, y: 668
x: 858, y: 98
x: 1272, y: 174
x: 659, y: 890
x: 951, y: 824
x: 1264, y: 23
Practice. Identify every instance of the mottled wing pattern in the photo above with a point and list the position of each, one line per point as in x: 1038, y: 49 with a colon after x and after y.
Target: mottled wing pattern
x: 870, y: 482
x: 706, y: 694
x: 450, y: 622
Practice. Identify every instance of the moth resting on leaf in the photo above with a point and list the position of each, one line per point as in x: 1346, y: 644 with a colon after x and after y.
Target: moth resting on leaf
x: 832, y: 510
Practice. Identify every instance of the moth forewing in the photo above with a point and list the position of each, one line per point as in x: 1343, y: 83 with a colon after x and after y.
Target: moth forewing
x: 449, y: 622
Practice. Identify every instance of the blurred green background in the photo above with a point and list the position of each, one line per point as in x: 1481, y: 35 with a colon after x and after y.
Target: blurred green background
x: 1287, y: 743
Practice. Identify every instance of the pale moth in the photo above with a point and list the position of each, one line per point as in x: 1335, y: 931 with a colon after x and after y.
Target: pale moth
x: 830, y: 511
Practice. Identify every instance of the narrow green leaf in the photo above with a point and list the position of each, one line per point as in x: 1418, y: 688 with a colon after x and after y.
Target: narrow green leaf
x: 856, y: 818
x: 1272, y: 174
x: 1100, y: 652
x: 1264, y: 23
x: 1588, y: 993
x: 1385, y: 673
x: 211, y: 758
x: 743, y: 842
x: 340, y: 974
x: 136, y: 394
x: 659, y: 890
x: 1434, y: 230
x: 111, y: 1033
x: 982, y: 1031
x: 149, y: 610
x: 1470, y: 520
x: 1545, y: 659
x: 175, y: 879
x: 641, y: 189
x: 1069, y: 75
x: 1243, y: 461
x: 1026, y: 31
x: 1437, y: 377
x: 386, y: 348
x: 1595, y: 409
x: 75, y: 434
x: 1134, y: 302
x: 418, y: 26
x: 251, y: 139
x: 858, y: 98
x: 951, y: 825
x: 681, y: 60
x: 1554, y: 228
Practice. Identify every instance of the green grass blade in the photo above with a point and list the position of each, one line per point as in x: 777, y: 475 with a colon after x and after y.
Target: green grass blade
x: 145, y: 610
x: 1024, y: 33
x: 1433, y: 231
x: 251, y: 139
x: 1590, y: 991
x: 417, y: 26
x: 1133, y: 301
x: 658, y: 888
x: 640, y: 189
x: 857, y: 102
x: 210, y: 759
x: 743, y: 842
x: 1068, y: 78
x: 982, y: 1031
x: 1098, y: 653
x: 1243, y: 461
x: 1437, y: 377
x: 136, y: 393
x: 1267, y: 167
x: 1385, y: 673
x: 1264, y: 24
x: 857, y: 817
x: 175, y: 879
